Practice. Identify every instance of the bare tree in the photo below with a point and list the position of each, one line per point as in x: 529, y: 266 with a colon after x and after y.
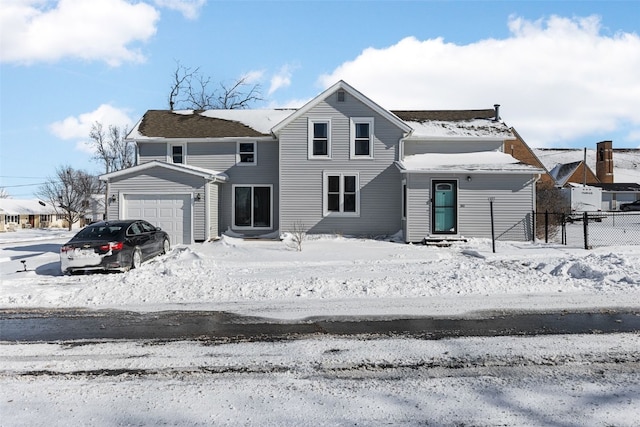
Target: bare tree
x: 4, y: 194
x: 69, y: 192
x: 298, y: 234
x: 113, y: 150
x: 181, y: 80
x: 551, y: 208
x: 191, y: 90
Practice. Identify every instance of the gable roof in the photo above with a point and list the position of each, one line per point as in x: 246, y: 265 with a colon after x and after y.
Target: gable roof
x: 562, y: 172
x: 191, y: 170
x: 342, y: 85
x: 267, y: 123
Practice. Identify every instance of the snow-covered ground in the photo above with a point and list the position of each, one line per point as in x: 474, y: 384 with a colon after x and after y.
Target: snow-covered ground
x: 569, y: 380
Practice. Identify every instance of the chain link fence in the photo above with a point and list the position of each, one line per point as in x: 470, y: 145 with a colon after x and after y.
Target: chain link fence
x: 588, y: 229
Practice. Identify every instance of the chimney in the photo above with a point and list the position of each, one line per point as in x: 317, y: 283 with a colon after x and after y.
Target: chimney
x: 496, y: 107
x: 604, y: 162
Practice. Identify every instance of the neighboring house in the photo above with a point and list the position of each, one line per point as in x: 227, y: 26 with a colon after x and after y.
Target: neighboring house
x: 340, y: 164
x: 27, y: 213
x: 617, y: 171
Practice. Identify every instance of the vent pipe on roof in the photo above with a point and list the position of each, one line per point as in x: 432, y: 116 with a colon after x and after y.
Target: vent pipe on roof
x: 497, y: 108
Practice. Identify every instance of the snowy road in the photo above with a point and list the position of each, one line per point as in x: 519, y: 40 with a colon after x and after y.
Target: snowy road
x: 509, y: 381
x: 73, y: 324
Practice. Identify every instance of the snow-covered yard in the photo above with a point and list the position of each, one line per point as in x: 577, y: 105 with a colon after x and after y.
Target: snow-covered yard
x: 569, y: 380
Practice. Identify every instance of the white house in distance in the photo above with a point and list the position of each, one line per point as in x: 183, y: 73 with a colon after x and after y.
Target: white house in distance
x: 34, y: 213
x: 29, y: 213
x: 339, y: 164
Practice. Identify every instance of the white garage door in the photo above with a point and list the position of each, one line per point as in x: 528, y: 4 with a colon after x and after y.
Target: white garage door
x: 171, y: 212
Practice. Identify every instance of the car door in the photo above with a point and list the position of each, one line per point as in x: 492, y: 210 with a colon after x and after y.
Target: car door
x: 154, y: 241
x: 141, y: 239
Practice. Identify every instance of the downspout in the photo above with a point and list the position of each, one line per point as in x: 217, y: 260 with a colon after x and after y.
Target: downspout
x: 207, y: 211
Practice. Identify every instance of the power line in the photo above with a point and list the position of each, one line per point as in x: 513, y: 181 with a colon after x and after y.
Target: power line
x: 23, y: 177
x: 22, y: 185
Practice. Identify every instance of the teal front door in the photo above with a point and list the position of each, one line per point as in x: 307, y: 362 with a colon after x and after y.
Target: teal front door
x: 444, y: 219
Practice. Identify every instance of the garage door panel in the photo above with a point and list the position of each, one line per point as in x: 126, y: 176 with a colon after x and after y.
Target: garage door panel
x: 170, y: 212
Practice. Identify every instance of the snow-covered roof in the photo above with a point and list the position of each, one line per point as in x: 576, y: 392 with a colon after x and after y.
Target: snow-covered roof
x: 483, y: 161
x: 478, y: 128
x: 25, y: 207
x: 626, y: 162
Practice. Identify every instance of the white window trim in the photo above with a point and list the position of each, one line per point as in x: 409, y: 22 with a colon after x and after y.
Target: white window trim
x: 325, y: 194
x: 170, y: 153
x: 310, y: 124
x: 233, y: 207
x: 255, y: 153
x: 352, y: 136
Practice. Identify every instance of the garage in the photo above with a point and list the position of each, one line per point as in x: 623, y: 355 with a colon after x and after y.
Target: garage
x: 171, y: 212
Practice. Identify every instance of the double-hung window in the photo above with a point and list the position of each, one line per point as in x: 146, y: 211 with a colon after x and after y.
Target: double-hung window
x: 177, y: 153
x: 361, y: 141
x: 319, y: 138
x: 246, y: 154
x: 252, y: 206
x: 341, y: 194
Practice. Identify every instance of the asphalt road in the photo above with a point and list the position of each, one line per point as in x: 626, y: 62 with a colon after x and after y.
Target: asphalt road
x: 79, y: 324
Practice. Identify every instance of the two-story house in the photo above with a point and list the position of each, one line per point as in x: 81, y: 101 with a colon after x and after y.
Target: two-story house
x: 340, y: 164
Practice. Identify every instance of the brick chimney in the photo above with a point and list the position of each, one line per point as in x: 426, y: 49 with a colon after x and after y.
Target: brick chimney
x: 604, y: 162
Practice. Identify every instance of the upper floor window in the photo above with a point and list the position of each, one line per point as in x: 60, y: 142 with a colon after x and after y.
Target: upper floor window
x: 177, y: 153
x: 319, y: 138
x: 246, y: 153
x: 341, y: 194
x: 361, y: 145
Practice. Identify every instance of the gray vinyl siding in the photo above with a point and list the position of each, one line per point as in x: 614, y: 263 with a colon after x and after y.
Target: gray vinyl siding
x: 301, y: 188
x: 513, y: 205
x: 160, y: 181
x: 417, y: 223
x: 150, y: 151
x: 449, y: 147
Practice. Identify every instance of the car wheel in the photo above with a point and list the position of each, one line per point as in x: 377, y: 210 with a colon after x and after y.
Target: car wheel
x: 136, y: 258
x: 166, y: 247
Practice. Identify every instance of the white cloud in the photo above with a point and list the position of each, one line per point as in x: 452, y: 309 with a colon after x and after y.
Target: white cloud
x: 78, y: 127
x: 557, y: 79
x: 281, y: 79
x: 253, y: 76
x: 190, y: 9
x: 96, y: 30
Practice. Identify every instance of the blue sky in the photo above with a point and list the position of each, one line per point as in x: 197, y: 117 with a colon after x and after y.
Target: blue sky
x: 566, y: 73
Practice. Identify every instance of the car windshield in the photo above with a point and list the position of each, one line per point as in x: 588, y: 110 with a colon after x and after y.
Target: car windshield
x: 99, y: 232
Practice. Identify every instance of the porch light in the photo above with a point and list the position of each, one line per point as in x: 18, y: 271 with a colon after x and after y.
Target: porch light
x: 112, y: 199
x: 198, y: 197
x: 469, y: 178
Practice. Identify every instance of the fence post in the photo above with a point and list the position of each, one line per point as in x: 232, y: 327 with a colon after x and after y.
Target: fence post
x: 533, y: 226
x: 546, y: 226
x: 585, y: 227
x: 493, y: 235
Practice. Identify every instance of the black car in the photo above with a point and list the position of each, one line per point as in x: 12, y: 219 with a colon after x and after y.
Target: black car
x: 113, y: 246
x: 633, y: 206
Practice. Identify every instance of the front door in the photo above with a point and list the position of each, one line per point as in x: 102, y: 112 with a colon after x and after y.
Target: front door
x: 444, y: 219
